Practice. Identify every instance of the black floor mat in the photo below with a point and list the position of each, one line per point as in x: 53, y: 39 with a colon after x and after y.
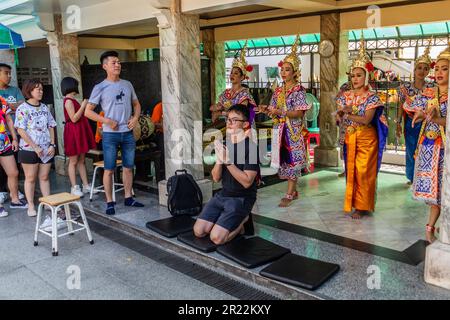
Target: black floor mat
x: 203, y: 244
x: 173, y: 226
x: 300, y: 271
x: 252, y: 252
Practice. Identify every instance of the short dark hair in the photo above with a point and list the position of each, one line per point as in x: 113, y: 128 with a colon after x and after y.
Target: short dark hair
x: 241, y: 109
x: 4, y: 65
x: 108, y: 54
x: 29, y: 85
x: 68, y: 85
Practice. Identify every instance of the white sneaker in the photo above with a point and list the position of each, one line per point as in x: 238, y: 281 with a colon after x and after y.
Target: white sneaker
x: 3, y: 197
x: 21, y: 195
x: 87, y: 189
x: 47, y: 224
x: 76, y: 191
x: 3, y: 213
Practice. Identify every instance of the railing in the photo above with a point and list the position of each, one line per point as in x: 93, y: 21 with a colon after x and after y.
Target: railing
x: 387, y: 90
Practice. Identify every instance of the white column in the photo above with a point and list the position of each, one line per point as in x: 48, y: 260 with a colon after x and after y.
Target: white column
x: 65, y: 62
x: 179, y: 36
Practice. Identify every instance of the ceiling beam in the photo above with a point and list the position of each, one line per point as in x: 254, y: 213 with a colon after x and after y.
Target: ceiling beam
x: 10, y: 4
x: 333, y: 3
x: 204, y: 6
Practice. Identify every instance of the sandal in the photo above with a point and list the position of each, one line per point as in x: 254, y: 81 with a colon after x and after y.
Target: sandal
x: 431, y: 230
x: 286, y: 200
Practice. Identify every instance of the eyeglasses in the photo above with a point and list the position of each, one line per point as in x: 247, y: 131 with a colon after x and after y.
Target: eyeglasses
x: 234, y: 120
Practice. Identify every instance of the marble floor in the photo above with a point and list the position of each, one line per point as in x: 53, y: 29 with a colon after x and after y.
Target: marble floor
x: 397, y: 223
x: 401, y: 217
x: 398, y: 280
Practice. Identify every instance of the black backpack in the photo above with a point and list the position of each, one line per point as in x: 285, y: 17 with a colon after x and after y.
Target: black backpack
x: 184, y: 195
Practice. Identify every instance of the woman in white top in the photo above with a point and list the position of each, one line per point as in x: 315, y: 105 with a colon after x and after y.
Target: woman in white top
x: 35, y: 125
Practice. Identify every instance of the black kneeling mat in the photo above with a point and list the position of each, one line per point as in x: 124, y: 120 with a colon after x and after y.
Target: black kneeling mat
x: 252, y: 252
x: 203, y: 244
x: 173, y: 226
x: 300, y: 271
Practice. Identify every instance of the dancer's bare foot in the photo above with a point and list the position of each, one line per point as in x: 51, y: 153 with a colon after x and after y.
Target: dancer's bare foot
x: 286, y: 200
x: 430, y: 233
x: 357, y: 215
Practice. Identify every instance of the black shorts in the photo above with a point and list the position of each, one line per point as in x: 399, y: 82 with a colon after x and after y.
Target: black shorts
x: 10, y: 152
x: 30, y: 157
x: 227, y: 212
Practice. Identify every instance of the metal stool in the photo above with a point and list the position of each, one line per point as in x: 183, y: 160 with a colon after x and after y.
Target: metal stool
x: 100, y: 188
x: 55, y: 202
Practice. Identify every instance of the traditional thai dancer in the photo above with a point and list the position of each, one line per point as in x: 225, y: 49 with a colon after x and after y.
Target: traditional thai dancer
x: 287, y: 108
x: 362, y: 112
x: 237, y: 94
x: 431, y: 109
x: 408, y: 91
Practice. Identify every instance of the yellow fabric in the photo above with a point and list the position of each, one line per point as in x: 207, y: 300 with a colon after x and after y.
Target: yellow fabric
x: 361, y: 166
x: 281, y: 104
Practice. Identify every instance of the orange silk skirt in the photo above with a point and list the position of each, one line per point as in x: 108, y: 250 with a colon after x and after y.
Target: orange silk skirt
x: 361, y: 166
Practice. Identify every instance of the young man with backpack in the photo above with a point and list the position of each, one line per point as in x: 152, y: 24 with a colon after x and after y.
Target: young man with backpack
x: 237, y: 166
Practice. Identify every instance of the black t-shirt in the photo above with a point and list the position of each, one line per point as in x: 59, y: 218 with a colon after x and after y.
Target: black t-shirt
x: 244, y: 156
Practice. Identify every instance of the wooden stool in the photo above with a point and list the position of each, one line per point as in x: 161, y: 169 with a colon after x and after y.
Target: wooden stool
x: 101, y: 188
x: 55, y: 202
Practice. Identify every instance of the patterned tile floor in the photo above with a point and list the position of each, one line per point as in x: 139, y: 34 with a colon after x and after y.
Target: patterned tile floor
x: 397, y: 223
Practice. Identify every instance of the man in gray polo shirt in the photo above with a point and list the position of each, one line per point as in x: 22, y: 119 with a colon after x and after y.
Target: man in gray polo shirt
x: 117, y: 99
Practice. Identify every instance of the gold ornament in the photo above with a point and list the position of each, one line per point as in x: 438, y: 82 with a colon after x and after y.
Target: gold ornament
x: 240, y: 62
x: 363, y: 61
x: 425, y: 58
x: 444, y: 54
x: 293, y: 58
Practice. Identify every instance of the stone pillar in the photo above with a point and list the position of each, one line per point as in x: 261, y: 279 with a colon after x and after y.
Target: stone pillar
x: 219, y: 69
x: 215, y: 51
x: 327, y: 153
x: 209, y: 51
x: 437, y: 259
x: 344, y: 61
x: 65, y: 62
x: 8, y: 57
x: 132, y: 56
x: 181, y: 95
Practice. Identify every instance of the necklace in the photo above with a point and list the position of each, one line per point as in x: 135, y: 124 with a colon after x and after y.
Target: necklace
x: 290, y: 87
x: 234, y: 92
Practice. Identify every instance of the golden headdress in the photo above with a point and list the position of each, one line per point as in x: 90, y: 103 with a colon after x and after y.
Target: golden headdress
x: 425, y: 58
x: 293, y: 58
x: 444, y: 54
x: 362, y: 60
x: 240, y: 62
